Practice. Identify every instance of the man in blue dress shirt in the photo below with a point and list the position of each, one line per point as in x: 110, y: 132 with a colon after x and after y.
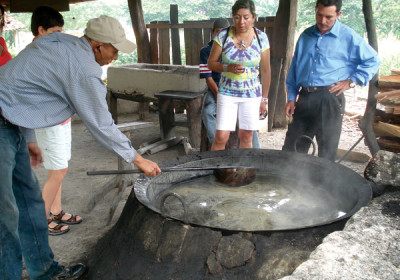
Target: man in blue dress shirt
x: 329, y: 58
x: 53, y: 78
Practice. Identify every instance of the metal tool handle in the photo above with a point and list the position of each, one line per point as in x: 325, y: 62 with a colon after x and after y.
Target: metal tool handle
x: 167, y: 169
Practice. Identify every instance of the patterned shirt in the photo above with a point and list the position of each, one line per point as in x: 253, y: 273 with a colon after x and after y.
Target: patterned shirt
x: 322, y: 60
x: 247, y: 84
x: 53, y: 78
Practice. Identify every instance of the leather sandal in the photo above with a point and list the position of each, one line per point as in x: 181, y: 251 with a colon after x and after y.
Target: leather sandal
x: 58, y: 218
x: 57, y: 230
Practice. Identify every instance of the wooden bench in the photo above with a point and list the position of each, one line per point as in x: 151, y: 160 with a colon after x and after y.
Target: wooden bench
x: 193, y: 103
x: 132, y: 95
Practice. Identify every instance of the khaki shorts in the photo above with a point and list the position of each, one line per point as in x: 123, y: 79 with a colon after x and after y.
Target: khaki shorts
x: 55, y: 143
x: 230, y: 109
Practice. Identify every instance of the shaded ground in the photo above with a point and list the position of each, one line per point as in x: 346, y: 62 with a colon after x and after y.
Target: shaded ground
x: 87, y: 154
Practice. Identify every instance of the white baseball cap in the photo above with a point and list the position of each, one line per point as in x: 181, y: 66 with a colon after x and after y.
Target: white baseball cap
x: 105, y: 29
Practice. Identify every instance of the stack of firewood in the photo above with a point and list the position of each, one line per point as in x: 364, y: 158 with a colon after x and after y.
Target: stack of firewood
x: 387, y: 120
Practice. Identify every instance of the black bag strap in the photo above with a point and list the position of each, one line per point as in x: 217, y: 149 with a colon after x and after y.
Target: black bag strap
x: 227, y: 34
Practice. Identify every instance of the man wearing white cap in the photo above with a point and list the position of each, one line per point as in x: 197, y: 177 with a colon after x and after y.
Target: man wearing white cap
x: 53, y: 78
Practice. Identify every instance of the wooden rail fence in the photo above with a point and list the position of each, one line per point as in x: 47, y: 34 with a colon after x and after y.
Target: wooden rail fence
x: 165, y: 39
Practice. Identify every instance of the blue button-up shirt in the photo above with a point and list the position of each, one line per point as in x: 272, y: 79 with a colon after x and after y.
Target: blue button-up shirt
x: 53, y: 78
x: 321, y: 60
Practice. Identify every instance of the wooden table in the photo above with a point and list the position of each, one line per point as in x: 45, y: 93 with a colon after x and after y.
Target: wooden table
x: 193, y: 102
x: 130, y: 96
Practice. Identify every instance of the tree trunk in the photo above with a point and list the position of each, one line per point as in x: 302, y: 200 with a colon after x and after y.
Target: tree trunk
x: 366, y: 123
x: 281, y: 52
x: 139, y: 27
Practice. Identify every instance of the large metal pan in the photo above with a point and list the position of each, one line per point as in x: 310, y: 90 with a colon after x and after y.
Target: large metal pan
x: 291, y: 191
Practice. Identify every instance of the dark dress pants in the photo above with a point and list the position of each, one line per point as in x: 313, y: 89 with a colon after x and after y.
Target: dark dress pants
x: 319, y: 114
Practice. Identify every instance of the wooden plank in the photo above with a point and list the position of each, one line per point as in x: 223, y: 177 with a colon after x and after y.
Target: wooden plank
x: 175, y: 41
x: 124, y: 127
x: 207, y: 35
x: 21, y: 6
x: 353, y: 156
x: 154, y: 45
x: 395, y: 71
x: 164, y: 45
x: 188, y: 45
x: 197, y: 44
x: 386, y: 129
x: 389, y: 97
x: 200, y: 24
x: 391, y: 81
x: 389, y: 144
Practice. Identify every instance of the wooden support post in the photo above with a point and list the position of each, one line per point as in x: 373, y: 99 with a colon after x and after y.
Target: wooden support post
x: 166, y: 117
x: 207, y: 35
x: 282, y: 44
x: 188, y: 44
x: 164, y: 44
x: 366, y: 123
x: 195, y: 35
x: 176, y: 45
x: 139, y: 27
x: 113, y: 106
x: 193, y: 110
x: 154, y: 44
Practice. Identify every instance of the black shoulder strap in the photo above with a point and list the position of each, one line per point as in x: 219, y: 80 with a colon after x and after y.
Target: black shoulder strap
x: 226, y: 36
x: 258, y: 39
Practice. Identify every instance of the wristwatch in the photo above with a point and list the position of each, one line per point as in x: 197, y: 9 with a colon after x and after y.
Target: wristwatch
x: 351, y: 83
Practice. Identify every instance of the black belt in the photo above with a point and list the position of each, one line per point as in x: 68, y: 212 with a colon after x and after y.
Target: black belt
x: 313, y: 89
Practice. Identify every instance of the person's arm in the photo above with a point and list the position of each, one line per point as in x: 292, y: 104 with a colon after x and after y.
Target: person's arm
x: 35, y: 154
x: 88, y: 96
x: 212, y: 86
x: 205, y: 72
x: 215, y: 64
x: 265, y: 70
x: 366, y: 69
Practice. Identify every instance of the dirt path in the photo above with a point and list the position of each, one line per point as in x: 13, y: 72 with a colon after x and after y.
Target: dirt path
x: 88, y: 154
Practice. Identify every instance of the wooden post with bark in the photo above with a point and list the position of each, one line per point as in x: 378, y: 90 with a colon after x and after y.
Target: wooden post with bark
x: 366, y: 123
x: 175, y: 41
x: 139, y: 27
x: 281, y: 52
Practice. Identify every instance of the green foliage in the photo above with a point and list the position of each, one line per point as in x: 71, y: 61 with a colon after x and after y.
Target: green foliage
x: 124, y: 58
x: 389, y: 62
x: 385, y: 15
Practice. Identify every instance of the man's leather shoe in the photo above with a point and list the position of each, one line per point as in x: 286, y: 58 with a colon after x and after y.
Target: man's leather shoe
x: 71, y: 273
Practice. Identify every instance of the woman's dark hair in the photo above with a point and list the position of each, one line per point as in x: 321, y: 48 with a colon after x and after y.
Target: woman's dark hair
x: 244, y: 4
x: 46, y: 17
x: 327, y: 3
